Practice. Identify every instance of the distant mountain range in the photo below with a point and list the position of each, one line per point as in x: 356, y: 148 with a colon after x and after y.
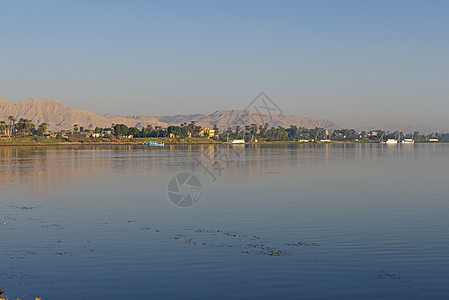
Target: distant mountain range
x: 59, y: 116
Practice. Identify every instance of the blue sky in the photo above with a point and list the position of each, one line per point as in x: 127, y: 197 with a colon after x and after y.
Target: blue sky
x: 358, y: 63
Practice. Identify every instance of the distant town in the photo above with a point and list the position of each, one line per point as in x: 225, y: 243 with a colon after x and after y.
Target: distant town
x: 23, y: 129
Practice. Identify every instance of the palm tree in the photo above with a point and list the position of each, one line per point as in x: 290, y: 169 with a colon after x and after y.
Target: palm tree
x: 3, y: 127
x: 237, y: 131
x: 25, y: 126
x: 42, y: 128
x: 228, y: 132
x: 216, y: 130
x: 12, y: 122
x: 191, y: 127
x: 29, y: 126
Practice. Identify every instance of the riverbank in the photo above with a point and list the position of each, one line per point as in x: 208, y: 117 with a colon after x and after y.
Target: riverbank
x: 43, y: 141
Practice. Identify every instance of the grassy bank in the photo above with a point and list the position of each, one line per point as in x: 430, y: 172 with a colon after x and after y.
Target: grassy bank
x: 36, y: 140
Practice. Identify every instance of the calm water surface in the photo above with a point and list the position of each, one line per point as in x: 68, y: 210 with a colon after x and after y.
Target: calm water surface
x: 273, y: 221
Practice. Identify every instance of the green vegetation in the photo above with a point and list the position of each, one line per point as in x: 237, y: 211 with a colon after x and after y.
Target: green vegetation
x: 183, y: 131
x: 24, y: 132
x: 261, y: 133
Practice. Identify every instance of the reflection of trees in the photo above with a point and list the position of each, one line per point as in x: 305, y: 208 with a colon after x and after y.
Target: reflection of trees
x: 42, y: 168
x: 49, y: 167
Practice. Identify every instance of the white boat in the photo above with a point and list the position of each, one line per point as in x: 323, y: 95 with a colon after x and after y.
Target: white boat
x: 391, y: 141
x: 152, y: 143
x: 408, y: 141
x: 237, y: 141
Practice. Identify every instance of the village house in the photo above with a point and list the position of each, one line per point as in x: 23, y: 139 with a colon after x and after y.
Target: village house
x: 106, y: 133
x: 206, y: 132
x: 51, y: 134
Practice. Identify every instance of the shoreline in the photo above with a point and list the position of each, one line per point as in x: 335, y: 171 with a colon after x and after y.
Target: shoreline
x: 195, y: 143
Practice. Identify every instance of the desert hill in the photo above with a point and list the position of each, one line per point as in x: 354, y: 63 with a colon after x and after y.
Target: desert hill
x: 231, y: 118
x: 59, y: 116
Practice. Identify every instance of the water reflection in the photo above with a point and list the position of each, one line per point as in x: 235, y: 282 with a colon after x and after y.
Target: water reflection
x: 282, y: 220
x: 40, y: 168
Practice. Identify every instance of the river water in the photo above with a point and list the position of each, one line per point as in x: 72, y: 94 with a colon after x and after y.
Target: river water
x: 287, y: 221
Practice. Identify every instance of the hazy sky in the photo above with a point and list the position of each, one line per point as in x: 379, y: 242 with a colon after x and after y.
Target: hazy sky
x: 358, y: 63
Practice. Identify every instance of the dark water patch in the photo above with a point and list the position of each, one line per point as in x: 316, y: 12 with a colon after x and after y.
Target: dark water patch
x: 302, y: 244
x: 240, y: 242
x: 25, y: 208
x: 389, y: 275
x: 146, y: 228
x: 55, y: 226
x: 262, y: 249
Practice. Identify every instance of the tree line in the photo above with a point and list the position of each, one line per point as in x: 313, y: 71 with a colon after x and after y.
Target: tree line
x: 253, y: 132
x: 249, y: 133
x: 22, y: 127
x: 182, y: 131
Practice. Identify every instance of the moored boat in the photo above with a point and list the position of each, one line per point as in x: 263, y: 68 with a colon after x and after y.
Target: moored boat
x: 237, y: 141
x: 391, y: 141
x: 408, y: 141
x: 152, y: 143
